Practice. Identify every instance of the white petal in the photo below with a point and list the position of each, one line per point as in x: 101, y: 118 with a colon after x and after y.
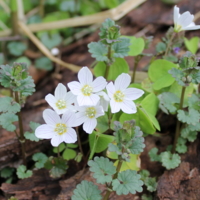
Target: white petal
x: 176, y: 14
x: 51, y: 117
x: 115, y: 107
x: 192, y: 27
x: 51, y: 100
x: 91, y: 100
x: 128, y: 107
x: 99, y: 84
x: 122, y: 81
x: 104, y: 104
x: 85, y: 76
x: 133, y: 93
x: 99, y: 111
x: 103, y: 95
x: 90, y: 125
x: 110, y: 89
x: 44, y: 132
x: 70, y: 98
x: 81, y: 117
x: 69, y: 118
x: 60, y: 91
x: 70, y: 136
x: 56, y: 140
x: 185, y: 19
x: 75, y: 87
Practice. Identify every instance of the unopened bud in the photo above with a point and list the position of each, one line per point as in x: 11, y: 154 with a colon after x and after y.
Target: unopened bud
x: 55, y: 51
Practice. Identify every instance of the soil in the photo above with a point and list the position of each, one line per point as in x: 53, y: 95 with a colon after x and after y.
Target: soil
x: 151, y: 18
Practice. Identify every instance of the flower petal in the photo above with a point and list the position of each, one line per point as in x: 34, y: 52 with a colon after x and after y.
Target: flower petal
x: 56, y: 140
x: 128, y: 107
x: 122, y: 81
x: 51, y: 100
x: 70, y: 98
x: 115, y: 107
x: 75, y: 87
x: 133, y: 93
x: 60, y: 91
x: 91, y: 100
x: 99, y: 84
x: 176, y: 14
x: 51, y: 117
x: 185, y: 19
x: 110, y: 89
x: 99, y: 111
x: 70, y: 136
x: 90, y: 125
x: 192, y: 27
x: 69, y: 118
x: 44, y: 132
x: 85, y: 76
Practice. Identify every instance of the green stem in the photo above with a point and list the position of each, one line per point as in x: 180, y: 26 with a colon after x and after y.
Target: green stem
x: 178, y: 124
x: 109, y: 60
x: 169, y: 44
x: 58, y: 151
x: 14, y: 17
x: 41, y: 8
x: 21, y: 131
x: 137, y: 59
x: 94, y: 147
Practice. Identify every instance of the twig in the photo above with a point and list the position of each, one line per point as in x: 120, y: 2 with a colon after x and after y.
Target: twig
x: 5, y: 6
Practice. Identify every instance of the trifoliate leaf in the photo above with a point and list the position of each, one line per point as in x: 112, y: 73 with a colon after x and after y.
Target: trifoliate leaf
x: 169, y: 160
x: 168, y: 101
x: 6, y: 172
x: 6, y: 120
x: 61, y: 147
x: 153, y: 154
x: 98, y: 50
x: 181, y: 145
x: 151, y: 184
x: 192, y: 44
x: 7, y: 104
x: 86, y: 191
x: 103, y: 169
x: 16, y: 48
x: 31, y: 135
x: 189, y: 134
x: 40, y: 159
x: 69, y: 154
x: 121, y: 48
x: 22, y: 172
x: 191, y: 117
x: 127, y: 182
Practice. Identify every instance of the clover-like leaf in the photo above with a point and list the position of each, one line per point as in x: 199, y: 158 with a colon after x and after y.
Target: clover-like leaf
x: 181, y: 145
x: 127, y: 182
x: 22, y: 172
x: 51, y: 41
x: 103, y: 169
x: 44, y: 63
x: 86, y: 191
x: 153, y: 154
x: 40, y: 159
x: 31, y: 135
x: 6, y: 121
x: 7, y: 104
x: 169, y: 160
x: 17, y: 48
x: 191, y: 117
x: 121, y: 48
x: 189, y: 133
x: 98, y: 50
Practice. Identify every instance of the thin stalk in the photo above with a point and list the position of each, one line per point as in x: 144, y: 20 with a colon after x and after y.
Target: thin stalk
x: 58, y: 151
x: 21, y: 131
x: 79, y: 141
x: 94, y: 147
x: 169, y: 44
x: 109, y: 60
x: 14, y: 17
x: 178, y: 124
x: 41, y: 8
x: 137, y: 59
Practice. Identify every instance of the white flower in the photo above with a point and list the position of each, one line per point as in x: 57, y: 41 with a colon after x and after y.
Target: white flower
x: 121, y: 96
x: 87, y: 115
x: 55, y: 51
x: 86, y: 89
x: 58, y: 129
x: 62, y: 101
x: 183, y: 21
x: 104, y: 100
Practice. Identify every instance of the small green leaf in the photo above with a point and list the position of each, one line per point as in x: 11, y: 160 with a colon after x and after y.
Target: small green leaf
x: 194, y: 102
x: 160, y: 47
x: 86, y: 191
x: 40, y: 159
x: 7, y: 104
x: 191, y: 117
x: 189, y: 133
x: 144, y: 174
x: 147, y: 197
x: 102, y: 124
x: 6, y: 120
x: 153, y: 154
x: 43, y: 63
x: 192, y: 44
x: 169, y: 160
x: 69, y: 154
x: 127, y: 182
x: 61, y: 147
x: 6, y: 172
x: 151, y: 184
x: 181, y: 145
x: 22, y: 172
x: 31, y: 135
x: 23, y: 59
x: 103, y: 169
x: 16, y: 48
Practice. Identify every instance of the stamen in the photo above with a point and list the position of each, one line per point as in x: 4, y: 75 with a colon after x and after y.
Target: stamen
x: 61, y: 104
x: 60, y: 129
x: 90, y: 112
x: 87, y: 90
x: 118, y: 96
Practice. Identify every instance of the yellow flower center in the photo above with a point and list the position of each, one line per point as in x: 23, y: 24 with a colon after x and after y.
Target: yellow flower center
x: 118, y: 96
x: 60, y: 129
x: 90, y: 112
x: 87, y: 90
x: 61, y: 104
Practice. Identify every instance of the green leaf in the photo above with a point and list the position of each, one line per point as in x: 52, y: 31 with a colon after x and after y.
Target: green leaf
x: 169, y: 160
x: 191, y: 117
x: 22, y: 172
x: 144, y: 174
x: 61, y: 147
x: 147, y: 85
x: 40, y: 159
x: 7, y: 104
x: 160, y: 47
x: 136, y: 45
x: 189, y: 133
x: 6, y: 172
x: 98, y: 50
x: 72, y: 146
x: 147, y: 197
x: 102, y: 143
x: 43, y: 63
x: 23, y: 59
x: 127, y: 182
x: 69, y: 154
x: 194, y: 102
x: 121, y: 48
x: 112, y: 3
x: 118, y: 67
x: 153, y: 154
x: 105, y: 26
x: 192, y: 44
x: 31, y: 135
x: 178, y: 75
x: 103, y: 169
x: 158, y: 73
x: 102, y: 124
x: 181, y: 145
x: 86, y: 191
x: 6, y: 120
x: 151, y: 184
x: 16, y: 48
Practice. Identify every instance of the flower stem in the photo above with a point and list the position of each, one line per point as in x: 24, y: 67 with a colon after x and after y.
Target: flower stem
x: 58, y: 151
x: 169, y: 44
x: 137, y: 59
x: 109, y: 60
x: 79, y: 143
x: 178, y: 124
x: 96, y: 138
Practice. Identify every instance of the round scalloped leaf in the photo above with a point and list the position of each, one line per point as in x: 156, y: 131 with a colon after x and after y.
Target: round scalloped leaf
x: 86, y: 191
x: 69, y: 154
x: 103, y: 169
x: 127, y: 182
